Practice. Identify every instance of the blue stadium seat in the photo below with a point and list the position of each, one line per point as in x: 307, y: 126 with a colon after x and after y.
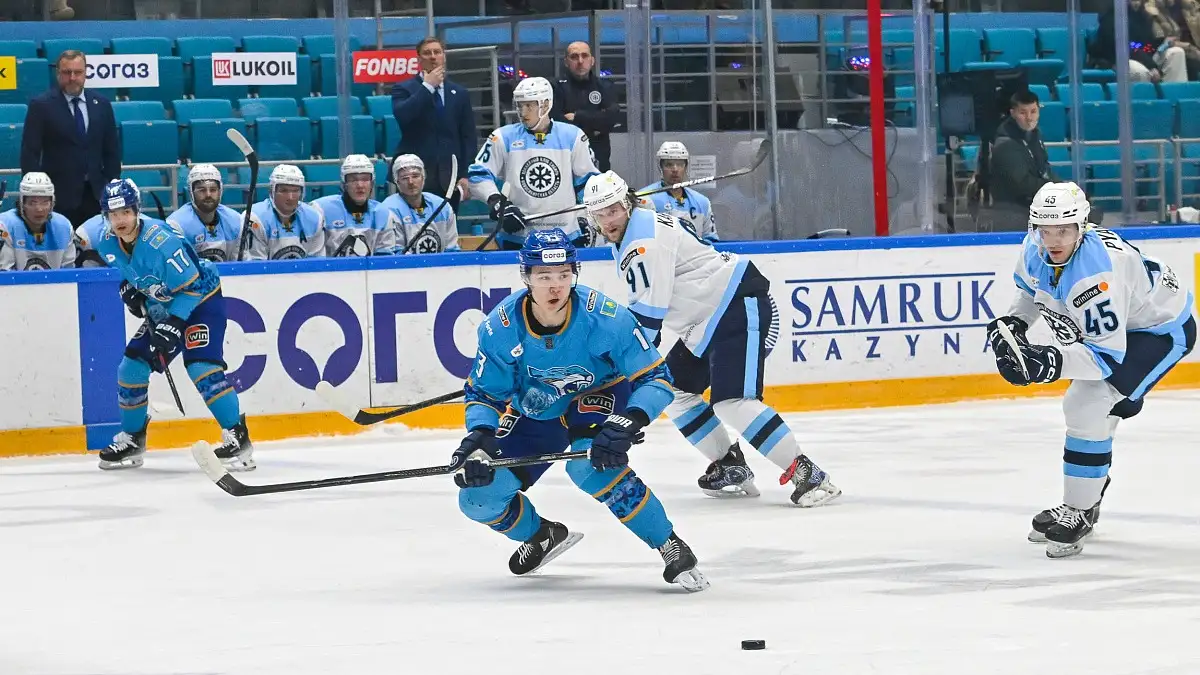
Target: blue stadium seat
x: 1009, y: 44
x: 1174, y: 91
x: 1060, y: 161
x: 323, y: 173
x: 1191, y: 174
x: 33, y: 78
x: 143, y: 45
x: 316, y: 107
x: 362, y: 129
x: 1189, y: 118
x: 188, y: 111
x: 1099, y: 120
x: 208, y: 142
x: 316, y: 45
x: 970, y: 157
x: 54, y: 47
x: 1089, y: 91
x: 253, y: 108
x: 383, y: 180
x: 1042, y: 92
x: 10, y: 145
x: 387, y: 130
x: 170, y: 83
x: 1103, y: 184
x: 271, y: 43
x: 1149, y: 169
x: 328, y: 71
x: 202, y: 82
x: 302, y: 88
x: 11, y: 113
x: 964, y: 47
x: 192, y: 46
x: 151, y: 182
x: 1053, y: 122
x: 138, y: 110
x: 283, y: 138
x: 1055, y: 43
x: 985, y: 65
x: 1141, y: 90
x: 1042, y: 71
x: 150, y: 142
x: 1153, y: 119
x: 22, y: 49
x: 1102, y: 76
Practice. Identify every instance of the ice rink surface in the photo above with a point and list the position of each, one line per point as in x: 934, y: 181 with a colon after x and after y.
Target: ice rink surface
x: 920, y: 567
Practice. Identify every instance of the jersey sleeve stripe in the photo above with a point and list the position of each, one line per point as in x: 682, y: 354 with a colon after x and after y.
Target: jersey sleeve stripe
x: 642, y: 309
x: 647, y: 369
x: 1021, y: 283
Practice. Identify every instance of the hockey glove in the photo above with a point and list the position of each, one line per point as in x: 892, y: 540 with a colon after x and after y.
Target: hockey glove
x: 1043, y: 362
x: 496, y: 204
x: 167, y: 336
x: 512, y: 220
x: 1006, y: 357
x: 473, y: 457
x: 134, y: 299
x: 610, y: 447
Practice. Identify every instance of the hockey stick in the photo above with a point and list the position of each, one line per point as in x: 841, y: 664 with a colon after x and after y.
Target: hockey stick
x: 1015, y: 346
x: 3, y: 188
x: 504, y: 192
x: 171, y: 383
x: 365, y: 418
x: 207, y: 459
x: 162, y: 213
x: 445, y: 201
x: 760, y: 155
x: 252, y: 158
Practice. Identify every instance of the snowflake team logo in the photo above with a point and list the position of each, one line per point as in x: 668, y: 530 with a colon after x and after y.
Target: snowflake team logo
x: 1065, y: 330
x: 213, y: 255
x: 430, y: 242
x: 540, y: 177
x: 37, y: 264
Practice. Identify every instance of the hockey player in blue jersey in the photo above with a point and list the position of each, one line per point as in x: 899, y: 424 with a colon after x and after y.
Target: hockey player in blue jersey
x: 213, y: 229
x: 32, y: 235
x: 563, y: 365
x: 178, y: 293
x: 351, y: 226
x: 406, y: 211
x: 690, y: 206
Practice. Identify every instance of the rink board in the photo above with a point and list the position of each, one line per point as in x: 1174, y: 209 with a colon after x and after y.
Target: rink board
x: 863, y: 323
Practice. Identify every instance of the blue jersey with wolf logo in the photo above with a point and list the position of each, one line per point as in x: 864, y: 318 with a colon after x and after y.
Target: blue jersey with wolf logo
x: 599, y: 344
x: 163, y: 266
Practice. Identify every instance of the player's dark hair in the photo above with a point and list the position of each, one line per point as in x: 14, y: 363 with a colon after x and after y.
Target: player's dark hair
x: 1022, y: 97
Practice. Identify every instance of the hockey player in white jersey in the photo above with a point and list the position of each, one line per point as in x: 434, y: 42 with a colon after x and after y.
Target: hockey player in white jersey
x: 86, y: 235
x: 719, y: 307
x: 283, y: 226
x: 351, y: 228
x: 545, y: 162
x: 406, y: 212
x: 32, y: 235
x: 1121, y: 319
x: 213, y: 229
x: 688, y: 205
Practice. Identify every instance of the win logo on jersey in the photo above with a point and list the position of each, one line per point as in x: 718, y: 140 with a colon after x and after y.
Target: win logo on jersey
x: 565, y: 380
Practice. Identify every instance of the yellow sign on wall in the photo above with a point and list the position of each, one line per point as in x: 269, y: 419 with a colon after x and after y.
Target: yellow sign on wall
x: 8, y: 72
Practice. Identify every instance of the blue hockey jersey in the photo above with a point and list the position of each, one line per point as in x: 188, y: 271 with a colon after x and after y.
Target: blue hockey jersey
x: 163, y: 266
x: 600, y: 343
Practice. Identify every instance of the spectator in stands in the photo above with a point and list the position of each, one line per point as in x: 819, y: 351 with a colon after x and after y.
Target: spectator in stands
x: 71, y: 134
x: 436, y: 119
x: 1019, y: 164
x: 588, y: 102
x: 1156, y: 53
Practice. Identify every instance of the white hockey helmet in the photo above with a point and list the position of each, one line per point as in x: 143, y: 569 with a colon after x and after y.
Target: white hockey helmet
x: 406, y: 163
x: 535, y: 89
x: 1056, y: 205
x: 204, y: 172
x: 36, y: 184
x: 672, y: 150
x: 357, y: 164
x: 604, y: 190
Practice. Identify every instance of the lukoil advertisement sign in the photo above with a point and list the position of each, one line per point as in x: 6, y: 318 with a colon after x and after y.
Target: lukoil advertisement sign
x: 254, y: 68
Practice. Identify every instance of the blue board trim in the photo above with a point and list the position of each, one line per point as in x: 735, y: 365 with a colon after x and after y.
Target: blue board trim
x: 101, y: 348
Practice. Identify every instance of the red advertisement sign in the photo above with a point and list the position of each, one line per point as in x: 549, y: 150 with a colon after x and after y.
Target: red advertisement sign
x: 391, y: 65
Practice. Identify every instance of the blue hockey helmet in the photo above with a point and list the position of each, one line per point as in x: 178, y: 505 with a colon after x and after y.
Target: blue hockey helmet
x: 121, y: 193
x: 546, y: 248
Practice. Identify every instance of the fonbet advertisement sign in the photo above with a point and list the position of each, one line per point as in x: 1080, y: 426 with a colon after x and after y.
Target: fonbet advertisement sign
x: 386, y: 66
x: 241, y: 68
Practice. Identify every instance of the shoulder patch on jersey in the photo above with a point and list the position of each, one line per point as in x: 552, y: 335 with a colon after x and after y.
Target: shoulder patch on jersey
x: 609, y: 308
x: 495, y: 138
x: 503, y: 317
x: 591, y: 301
x: 518, y: 350
x: 1090, y: 293
x: 597, y: 403
x: 158, y: 240
x: 633, y: 253
x: 1169, y: 280
x: 518, y: 144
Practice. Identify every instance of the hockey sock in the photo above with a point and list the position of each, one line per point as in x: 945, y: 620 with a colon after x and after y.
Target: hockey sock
x: 502, y: 507
x: 762, y: 427
x: 1085, y: 467
x: 626, y: 496
x: 217, y: 392
x: 695, y: 419
x: 133, y: 388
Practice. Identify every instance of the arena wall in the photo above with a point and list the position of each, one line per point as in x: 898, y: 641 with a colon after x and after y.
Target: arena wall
x: 863, y: 322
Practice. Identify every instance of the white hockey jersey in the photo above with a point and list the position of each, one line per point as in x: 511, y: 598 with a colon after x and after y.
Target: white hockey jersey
x: 1108, y: 289
x: 302, y: 236
x: 694, y: 209
x: 441, y: 235
x: 675, y: 278
x: 341, y: 225
x: 217, y: 242
x: 86, y: 236
x: 545, y: 171
x: 20, y: 249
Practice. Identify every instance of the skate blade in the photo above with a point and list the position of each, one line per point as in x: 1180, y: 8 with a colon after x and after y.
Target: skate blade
x: 742, y: 490
x: 572, y: 539
x: 237, y: 463
x: 1036, y: 537
x: 692, y: 581
x: 127, y: 463
x: 1054, y: 550
x: 819, y: 496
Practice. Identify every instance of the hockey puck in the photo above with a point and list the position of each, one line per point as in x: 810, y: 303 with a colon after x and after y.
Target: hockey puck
x: 754, y: 644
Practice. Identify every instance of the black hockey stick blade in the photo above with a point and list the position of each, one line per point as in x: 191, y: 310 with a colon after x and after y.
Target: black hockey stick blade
x: 361, y: 417
x: 505, y: 192
x: 247, y: 150
x: 162, y: 213
x: 445, y: 200
x: 206, y: 457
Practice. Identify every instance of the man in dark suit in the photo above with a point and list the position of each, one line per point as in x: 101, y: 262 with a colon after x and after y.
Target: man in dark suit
x: 436, y: 119
x: 71, y: 135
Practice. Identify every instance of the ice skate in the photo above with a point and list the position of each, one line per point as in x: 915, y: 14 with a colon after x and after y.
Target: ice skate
x: 125, y: 451
x: 1043, y: 520
x: 236, y: 451
x: 681, y: 565
x: 1065, y: 536
x: 729, y: 477
x: 550, y: 541
x: 812, y: 484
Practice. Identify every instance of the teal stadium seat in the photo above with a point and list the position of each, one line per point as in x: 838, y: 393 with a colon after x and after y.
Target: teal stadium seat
x: 22, y: 49
x: 1042, y: 92
x: 11, y: 113
x: 10, y: 145
x: 143, y: 45
x: 151, y: 182
x: 1055, y: 43
x: 280, y: 132
x: 324, y: 110
x: 191, y: 46
x: 965, y: 46
x: 149, y: 142
x: 1103, y: 184
x: 1053, y: 122
x: 1060, y: 161
x: 202, y: 82
x: 323, y: 173
x: 1089, y: 91
x: 387, y: 130
x: 210, y: 116
x: 1099, y: 119
x: 53, y: 47
x: 33, y: 78
x: 1010, y: 44
x: 1141, y: 90
x: 1042, y: 71
x: 1189, y: 118
x: 1174, y: 91
x: 138, y: 110
x: 170, y: 83
x: 1153, y: 119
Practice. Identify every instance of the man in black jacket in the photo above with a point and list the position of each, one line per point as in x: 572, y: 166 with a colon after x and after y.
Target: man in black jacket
x: 588, y: 102
x: 1019, y: 164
